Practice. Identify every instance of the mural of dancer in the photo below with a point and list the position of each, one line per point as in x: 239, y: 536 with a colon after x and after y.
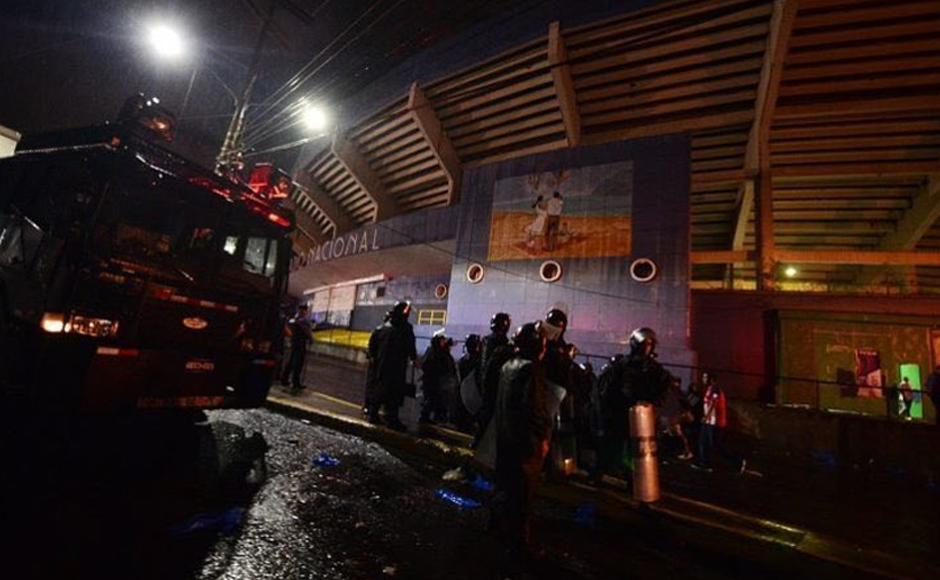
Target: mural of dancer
x: 571, y: 213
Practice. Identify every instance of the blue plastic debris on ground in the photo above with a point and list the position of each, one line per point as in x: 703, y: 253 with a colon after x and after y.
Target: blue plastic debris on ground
x: 458, y: 500
x: 225, y: 522
x: 897, y: 472
x: 933, y: 485
x: 825, y: 459
x: 586, y: 515
x: 482, y: 483
x: 325, y: 460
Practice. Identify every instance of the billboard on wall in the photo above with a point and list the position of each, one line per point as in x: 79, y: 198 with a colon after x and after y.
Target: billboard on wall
x: 571, y: 213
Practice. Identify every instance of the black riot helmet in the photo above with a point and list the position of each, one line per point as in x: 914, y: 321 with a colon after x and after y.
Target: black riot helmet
x: 440, y: 339
x: 399, y: 312
x: 500, y: 322
x: 555, y: 324
x: 472, y: 343
x: 643, y: 342
x: 529, y: 341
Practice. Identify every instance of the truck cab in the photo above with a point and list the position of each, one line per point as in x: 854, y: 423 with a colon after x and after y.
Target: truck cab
x: 133, y: 279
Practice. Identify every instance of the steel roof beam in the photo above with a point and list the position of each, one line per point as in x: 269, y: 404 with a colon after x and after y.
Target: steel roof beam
x: 358, y: 167
x: 341, y: 220
x: 564, y: 85
x: 425, y: 117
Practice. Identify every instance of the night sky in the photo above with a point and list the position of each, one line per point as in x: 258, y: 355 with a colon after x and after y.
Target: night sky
x: 68, y: 63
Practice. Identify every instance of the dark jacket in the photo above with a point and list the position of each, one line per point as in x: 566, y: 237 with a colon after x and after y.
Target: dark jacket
x: 644, y: 380
x: 492, y: 344
x: 523, y: 424
x: 300, y: 332
x: 641, y: 379
x: 496, y: 352
x: 470, y: 364
x: 558, y: 365
x: 391, y: 346
x: 437, y: 367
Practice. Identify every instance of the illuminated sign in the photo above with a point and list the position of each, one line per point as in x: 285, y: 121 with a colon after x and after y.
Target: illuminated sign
x: 351, y: 244
x: 195, y: 323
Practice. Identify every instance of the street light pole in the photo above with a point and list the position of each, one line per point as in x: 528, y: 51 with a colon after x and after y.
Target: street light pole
x: 231, y: 145
x: 189, y: 90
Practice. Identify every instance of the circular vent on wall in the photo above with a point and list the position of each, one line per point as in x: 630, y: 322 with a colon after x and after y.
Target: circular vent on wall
x: 550, y: 271
x: 475, y: 273
x: 440, y: 291
x: 643, y: 270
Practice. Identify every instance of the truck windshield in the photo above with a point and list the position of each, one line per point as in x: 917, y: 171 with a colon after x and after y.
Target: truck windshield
x: 184, y: 230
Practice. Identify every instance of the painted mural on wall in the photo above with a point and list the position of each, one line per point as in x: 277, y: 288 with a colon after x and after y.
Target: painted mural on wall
x: 571, y: 213
x: 869, y: 378
x: 852, y: 362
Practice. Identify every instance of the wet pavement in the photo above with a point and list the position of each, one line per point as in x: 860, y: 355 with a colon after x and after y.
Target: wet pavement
x: 862, y: 505
x: 255, y: 494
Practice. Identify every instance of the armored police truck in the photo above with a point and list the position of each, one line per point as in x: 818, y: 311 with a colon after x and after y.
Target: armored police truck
x: 131, y: 278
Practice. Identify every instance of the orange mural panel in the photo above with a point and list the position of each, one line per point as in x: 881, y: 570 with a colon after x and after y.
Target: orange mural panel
x: 574, y: 213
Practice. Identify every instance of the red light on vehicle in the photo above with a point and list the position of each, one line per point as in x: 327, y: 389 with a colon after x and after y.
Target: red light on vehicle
x: 260, y: 177
x: 211, y: 185
x: 111, y: 351
x: 279, y: 220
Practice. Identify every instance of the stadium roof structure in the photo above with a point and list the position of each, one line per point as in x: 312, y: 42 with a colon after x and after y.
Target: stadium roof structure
x: 815, y: 131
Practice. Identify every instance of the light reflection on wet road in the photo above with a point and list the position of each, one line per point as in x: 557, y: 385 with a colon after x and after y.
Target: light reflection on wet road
x: 155, y: 502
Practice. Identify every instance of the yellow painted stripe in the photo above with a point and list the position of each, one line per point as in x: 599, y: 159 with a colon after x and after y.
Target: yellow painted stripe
x: 336, y: 400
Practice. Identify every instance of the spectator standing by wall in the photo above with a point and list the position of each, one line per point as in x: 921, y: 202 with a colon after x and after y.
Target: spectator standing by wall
x: 670, y: 419
x: 693, y: 404
x: 714, y: 421
x: 907, y: 397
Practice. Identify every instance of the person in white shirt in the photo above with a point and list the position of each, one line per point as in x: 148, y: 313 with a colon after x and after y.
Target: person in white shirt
x: 555, y: 206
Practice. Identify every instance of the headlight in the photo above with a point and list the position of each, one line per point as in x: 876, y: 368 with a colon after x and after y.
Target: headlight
x: 56, y: 322
x: 97, y: 327
x: 52, y: 322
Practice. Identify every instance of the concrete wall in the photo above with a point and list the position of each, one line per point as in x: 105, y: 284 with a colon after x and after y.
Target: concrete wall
x: 855, y: 443
x: 370, y: 309
x: 734, y: 332
x: 602, y: 301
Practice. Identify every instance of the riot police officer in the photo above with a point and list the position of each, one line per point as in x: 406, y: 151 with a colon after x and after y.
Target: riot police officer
x: 438, y: 379
x: 466, y: 405
x: 557, y: 354
x: 391, y: 346
x: 561, y: 371
x: 496, y: 352
x: 635, y: 378
x: 300, y: 333
x: 523, y: 430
